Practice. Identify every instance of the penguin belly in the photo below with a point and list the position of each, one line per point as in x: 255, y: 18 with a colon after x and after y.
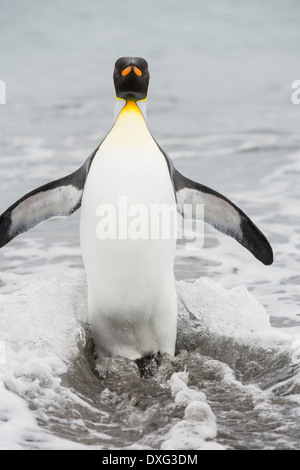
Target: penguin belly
x: 131, y: 292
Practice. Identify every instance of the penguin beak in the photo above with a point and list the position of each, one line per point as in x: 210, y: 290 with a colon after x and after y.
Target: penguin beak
x: 135, y: 69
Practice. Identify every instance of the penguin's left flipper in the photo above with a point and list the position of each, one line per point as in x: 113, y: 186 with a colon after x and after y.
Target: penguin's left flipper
x: 59, y: 198
x: 221, y: 213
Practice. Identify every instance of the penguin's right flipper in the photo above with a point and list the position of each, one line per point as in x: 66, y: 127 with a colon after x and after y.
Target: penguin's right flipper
x: 222, y: 214
x: 219, y: 212
x: 60, y: 198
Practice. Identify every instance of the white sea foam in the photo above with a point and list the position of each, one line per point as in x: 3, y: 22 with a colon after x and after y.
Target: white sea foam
x: 235, y: 312
x: 198, y: 423
x: 41, y: 326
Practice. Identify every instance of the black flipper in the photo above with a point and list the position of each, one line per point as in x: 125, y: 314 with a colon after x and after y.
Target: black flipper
x: 60, y: 198
x: 219, y: 212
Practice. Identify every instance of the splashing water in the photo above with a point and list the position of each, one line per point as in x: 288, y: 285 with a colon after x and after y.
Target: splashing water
x: 233, y: 376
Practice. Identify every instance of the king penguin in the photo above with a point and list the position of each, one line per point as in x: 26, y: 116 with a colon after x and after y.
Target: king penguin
x: 132, y: 304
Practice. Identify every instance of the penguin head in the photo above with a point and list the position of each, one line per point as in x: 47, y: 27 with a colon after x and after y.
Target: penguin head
x: 131, y: 78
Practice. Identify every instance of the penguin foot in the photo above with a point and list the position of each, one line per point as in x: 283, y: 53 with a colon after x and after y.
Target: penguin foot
x: 148, y: 365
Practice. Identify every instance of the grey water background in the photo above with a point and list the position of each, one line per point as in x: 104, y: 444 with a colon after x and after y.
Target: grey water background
x: 219, y: 104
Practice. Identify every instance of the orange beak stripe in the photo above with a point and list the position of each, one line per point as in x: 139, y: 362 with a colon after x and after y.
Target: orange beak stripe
x: 137, y: 71
x: 126, y: 71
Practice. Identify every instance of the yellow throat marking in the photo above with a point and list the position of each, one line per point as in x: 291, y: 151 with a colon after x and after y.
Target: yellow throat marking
x: 130, y: 130
x: 131, y: 107
x: 131, y: 117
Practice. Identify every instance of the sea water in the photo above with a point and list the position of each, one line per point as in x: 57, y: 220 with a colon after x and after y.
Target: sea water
x: 220, y: 105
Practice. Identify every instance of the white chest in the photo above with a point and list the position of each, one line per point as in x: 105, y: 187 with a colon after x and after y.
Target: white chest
x: 129, y: 163
x: 130, y: 280
x: 128, y: 168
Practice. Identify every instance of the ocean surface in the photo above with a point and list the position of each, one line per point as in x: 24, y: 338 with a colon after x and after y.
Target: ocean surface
x: 220, y: 105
